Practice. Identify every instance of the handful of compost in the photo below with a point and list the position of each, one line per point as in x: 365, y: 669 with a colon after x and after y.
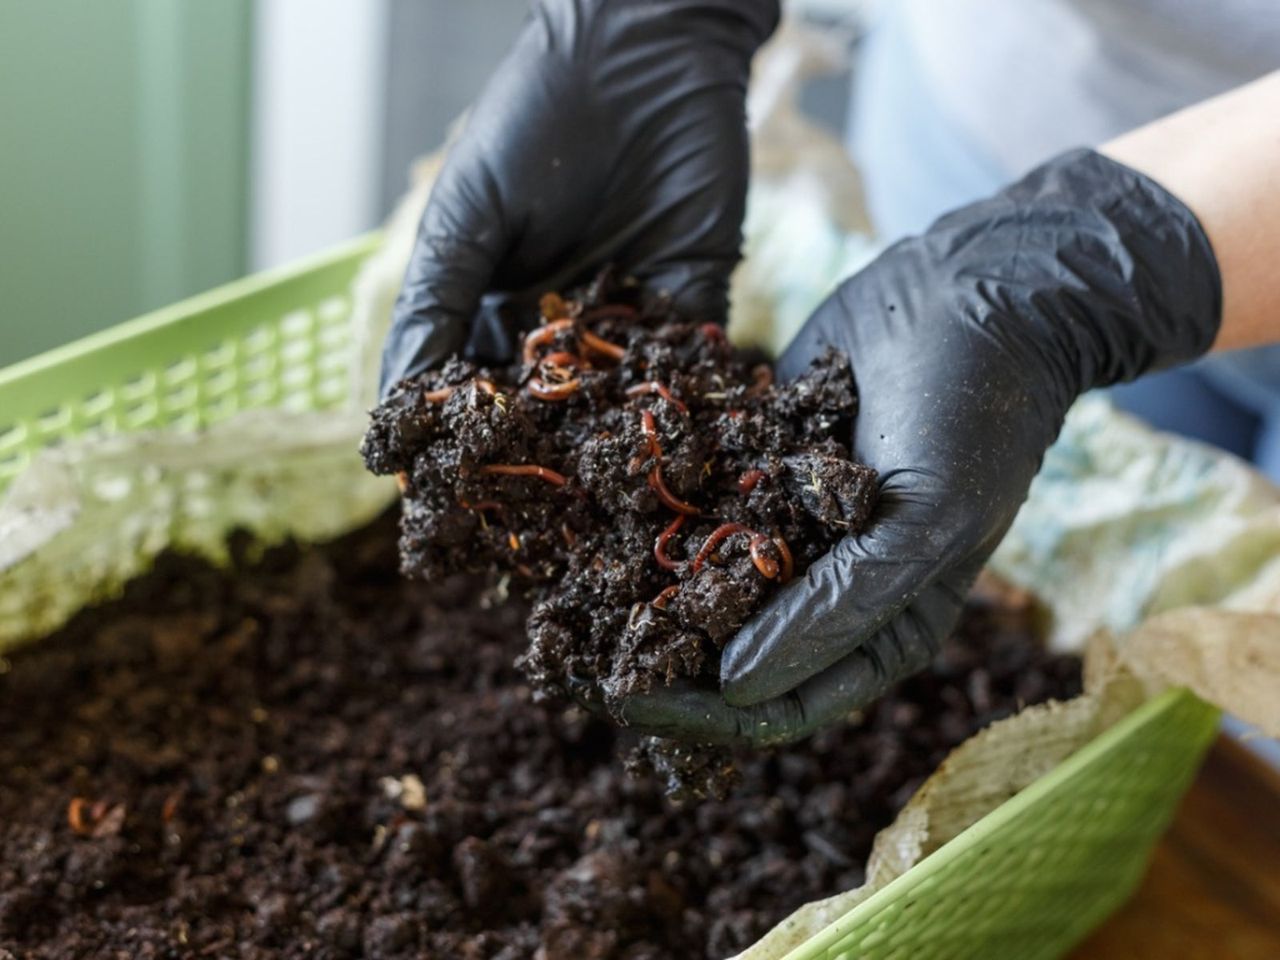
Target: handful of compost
x: 645, y: 481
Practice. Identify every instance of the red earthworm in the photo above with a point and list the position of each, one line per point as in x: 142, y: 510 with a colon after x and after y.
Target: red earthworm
x: 655, y: 474
x: 482, y: 505
x: 734, y: 414
x: 788, y: 565
x: 524, y: 570
x: 653, y: 386
x: 513, y: 541
x: 712, y: 331
x: 544, y: 334
x: 748, y: 481
x: 75, y: 816
x: 762, y: 380
x: 570, y: 538
x: 666, y: 496
x: 660, y: 601
x: 554, y: 391
x: 660, y: 545
x: 525, y: 470
x: 767, y: 566
x: 601, y: 345
x: 651, y: 433
x: 563, y: 358
x: 714, y: 539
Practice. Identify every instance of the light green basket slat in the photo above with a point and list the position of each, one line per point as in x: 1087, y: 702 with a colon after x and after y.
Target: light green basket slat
x: 1025, y: 882
x: 278, y: 339
x: 1030, y: 879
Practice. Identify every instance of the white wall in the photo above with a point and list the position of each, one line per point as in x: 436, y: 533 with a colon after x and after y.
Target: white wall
x: 317, y: 130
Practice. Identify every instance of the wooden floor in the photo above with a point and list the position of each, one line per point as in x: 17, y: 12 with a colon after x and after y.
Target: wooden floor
x: 1213, y: 891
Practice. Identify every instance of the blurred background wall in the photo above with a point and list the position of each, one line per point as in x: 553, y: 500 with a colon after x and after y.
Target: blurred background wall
x: 154, y: 148
x: 122, y: 160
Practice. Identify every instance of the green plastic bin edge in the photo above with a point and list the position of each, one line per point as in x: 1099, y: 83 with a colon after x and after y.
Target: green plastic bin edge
x: 283, y: 284
x: 33, y: 389
x: 1205, y: 728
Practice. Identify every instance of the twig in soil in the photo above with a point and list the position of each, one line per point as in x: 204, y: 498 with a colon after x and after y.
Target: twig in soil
x: 656, y: 482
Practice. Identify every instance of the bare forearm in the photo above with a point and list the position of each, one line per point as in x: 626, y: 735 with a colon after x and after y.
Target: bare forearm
x: 1222, y: 159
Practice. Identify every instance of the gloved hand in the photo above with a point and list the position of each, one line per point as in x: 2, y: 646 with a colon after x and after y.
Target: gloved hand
x: 613, y: 132
x: 968, y: 345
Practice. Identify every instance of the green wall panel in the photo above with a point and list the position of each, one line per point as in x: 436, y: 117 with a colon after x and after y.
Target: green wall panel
x: 123, y: 160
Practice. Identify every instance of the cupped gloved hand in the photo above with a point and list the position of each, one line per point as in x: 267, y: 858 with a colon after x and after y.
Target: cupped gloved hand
x: 614, y: 132
x: 968, y: 345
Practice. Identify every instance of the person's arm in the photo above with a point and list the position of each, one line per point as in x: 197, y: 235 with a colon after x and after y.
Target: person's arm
x: 1222, y: 159
x: 968, y: 344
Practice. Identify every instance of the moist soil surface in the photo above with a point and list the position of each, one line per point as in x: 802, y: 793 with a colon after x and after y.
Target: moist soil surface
x: 308, y: 755
x: 647, y: 485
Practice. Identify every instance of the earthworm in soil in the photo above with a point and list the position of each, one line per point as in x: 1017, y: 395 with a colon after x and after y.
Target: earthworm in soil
x: 660, y: 545
x: 661, y: 389
x: 767, y: 566
x: 525, y: 470
x: 748, y: 481
x: 661, y: 600
x: 601, y: 345
x: 543, y: 335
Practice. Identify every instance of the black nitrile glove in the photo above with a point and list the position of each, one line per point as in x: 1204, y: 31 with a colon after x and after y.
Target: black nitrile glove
x: 968, y: 345
x: 613, y: 133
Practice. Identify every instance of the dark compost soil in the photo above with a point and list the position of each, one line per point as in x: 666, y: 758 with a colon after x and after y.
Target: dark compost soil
x: 310, y: 756
x: 641, y: 480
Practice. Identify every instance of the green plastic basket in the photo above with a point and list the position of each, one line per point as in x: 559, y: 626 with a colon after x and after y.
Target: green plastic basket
x: 277, y: 339
x: 1026, y: 881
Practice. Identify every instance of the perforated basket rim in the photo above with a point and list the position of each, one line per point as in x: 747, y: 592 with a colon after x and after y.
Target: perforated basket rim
x: 989, y: 826
x: 13, y: 375
x: 57, y: 382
